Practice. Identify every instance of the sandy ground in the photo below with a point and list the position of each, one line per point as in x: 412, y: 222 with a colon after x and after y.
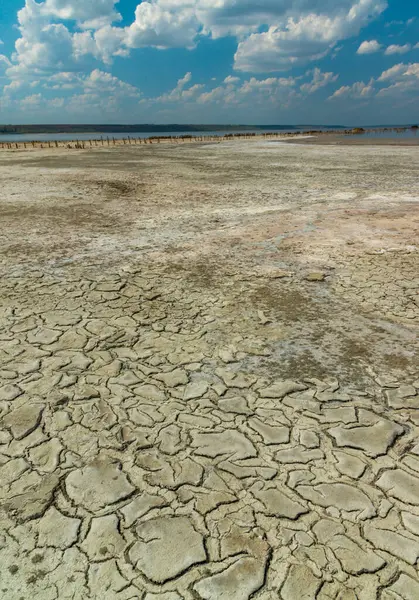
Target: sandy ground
x: 208, y: 372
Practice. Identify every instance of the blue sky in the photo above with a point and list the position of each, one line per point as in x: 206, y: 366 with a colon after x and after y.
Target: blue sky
x: 209, y: 61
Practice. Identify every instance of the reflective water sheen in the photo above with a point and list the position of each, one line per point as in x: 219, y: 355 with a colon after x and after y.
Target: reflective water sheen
x: 118, y: 135
x: 390, y: 133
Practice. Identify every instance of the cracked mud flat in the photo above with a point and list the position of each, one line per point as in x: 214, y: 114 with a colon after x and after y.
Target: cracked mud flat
x: 209, y: 379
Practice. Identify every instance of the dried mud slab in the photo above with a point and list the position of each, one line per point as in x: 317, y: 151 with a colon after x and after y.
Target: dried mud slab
x: 209, y: 385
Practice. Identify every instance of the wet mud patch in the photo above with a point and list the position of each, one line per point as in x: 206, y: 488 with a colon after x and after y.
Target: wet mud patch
x: 296, y: 363
x: 199, y: 275
x: 287, y: 302
x: 113, y: 188
x: 79, y: 215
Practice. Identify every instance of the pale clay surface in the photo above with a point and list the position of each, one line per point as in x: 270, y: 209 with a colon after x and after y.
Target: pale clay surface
x: 209, y: 385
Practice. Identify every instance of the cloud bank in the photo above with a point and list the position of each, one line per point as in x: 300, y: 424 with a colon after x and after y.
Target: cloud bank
x: 272, y: 36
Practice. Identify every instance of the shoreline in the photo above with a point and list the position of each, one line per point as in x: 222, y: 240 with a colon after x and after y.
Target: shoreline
x: 109, y: 142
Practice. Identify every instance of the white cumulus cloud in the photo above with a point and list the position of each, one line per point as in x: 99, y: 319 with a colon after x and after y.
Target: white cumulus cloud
x: 32, y: 101
x: 101, y: 82
x: 4, y: 62
x: 231, y: 79
x: 181, y: 93
x: 369, y: 47
x: 89, y: 13
x: 403, y: 79
x: 276, y: 91
x: 44, y: 46
x: 396, y: 49
x: 272, y: 35
x: 163, y: 26
x: 358, y: 90
x: 304, y: 39
x: 393, y: 73
x: 318, y: 81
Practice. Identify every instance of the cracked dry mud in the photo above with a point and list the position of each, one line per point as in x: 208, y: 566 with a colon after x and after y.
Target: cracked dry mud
x: 209, y: 383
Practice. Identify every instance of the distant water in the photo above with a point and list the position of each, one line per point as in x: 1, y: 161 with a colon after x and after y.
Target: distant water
x: 391, y: 133
x: 118, y: 135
